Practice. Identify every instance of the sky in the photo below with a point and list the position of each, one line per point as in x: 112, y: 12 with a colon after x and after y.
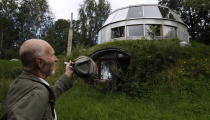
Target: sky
x: 62, y: 8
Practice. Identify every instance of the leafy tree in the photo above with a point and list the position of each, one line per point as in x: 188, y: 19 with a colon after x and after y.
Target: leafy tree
x: 57, y: 36
x: 76, y: 40
x: 8, y: 34
x: 92, y: 15
x: 198, y: 19
x: 8, y: 16
x: 196, y: 14
x: 34, y: 18
x: 83, y: 25
x: 102, y: 12
x: 23, y: 19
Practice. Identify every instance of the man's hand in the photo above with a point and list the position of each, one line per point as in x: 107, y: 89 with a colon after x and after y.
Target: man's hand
x: 69, y: 70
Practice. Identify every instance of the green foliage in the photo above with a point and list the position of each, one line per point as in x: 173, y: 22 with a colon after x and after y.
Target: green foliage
x: 57, y: 36
x: 22, y: 20
x: 8, y: 32
x: 34, y: 19
x: 102, y: 13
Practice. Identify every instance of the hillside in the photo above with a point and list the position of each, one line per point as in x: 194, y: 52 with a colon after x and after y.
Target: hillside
x: 163, y: 81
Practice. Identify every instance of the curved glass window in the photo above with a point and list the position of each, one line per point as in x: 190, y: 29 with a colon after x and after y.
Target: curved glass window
x: 135, y: 12
x: 137, y: 30
x: 120, y: 15
x: 110, y: 18
x: 153, y: 30
x: 169, y: 32
x: 176, y: 17
x: 118, y: 32
x: 152, y: 11
x: 166, y: 13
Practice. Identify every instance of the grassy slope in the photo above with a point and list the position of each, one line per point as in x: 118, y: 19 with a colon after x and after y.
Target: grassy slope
x: 83, y: 103
x: 181, y: 93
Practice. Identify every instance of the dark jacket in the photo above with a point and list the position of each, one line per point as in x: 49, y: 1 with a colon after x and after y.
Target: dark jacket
x: 28, y: 99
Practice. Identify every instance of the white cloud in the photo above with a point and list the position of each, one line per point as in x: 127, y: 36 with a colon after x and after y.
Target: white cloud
x: 63, y: 8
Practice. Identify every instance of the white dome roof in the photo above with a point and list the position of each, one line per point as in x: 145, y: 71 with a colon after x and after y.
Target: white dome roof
x: 141, y: 12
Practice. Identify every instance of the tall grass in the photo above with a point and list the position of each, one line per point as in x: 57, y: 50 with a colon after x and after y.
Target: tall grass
x: 85, y: 103
x: 8, y: 71
x: 4, y: 87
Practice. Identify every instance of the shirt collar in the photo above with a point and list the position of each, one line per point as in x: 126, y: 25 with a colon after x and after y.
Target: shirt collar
x: 44, y: 81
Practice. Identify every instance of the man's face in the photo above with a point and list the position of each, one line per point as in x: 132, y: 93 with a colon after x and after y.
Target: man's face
x: 49, y: 62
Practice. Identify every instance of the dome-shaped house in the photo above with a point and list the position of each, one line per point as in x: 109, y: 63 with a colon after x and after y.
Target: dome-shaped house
x: 150, y: 21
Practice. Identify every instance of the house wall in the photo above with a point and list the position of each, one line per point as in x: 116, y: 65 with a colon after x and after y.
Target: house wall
x: 182, y: 33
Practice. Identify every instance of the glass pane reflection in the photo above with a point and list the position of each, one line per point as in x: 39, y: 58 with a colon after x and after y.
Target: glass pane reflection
x: 169, y: 32
x: 110, y: 18
x: 153, y: 30
x: 166, y: 13
x: 120, y: 15
x: 136, y: 30
x: 152, y: 11
x: 118, y: 32
x: 107, y: 70
x: 135, y: 12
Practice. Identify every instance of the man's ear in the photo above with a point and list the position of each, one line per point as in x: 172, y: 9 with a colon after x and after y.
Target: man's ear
x: 38, y: 62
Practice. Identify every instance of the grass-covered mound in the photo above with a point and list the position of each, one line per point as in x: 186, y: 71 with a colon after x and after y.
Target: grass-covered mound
x: 164, y: 81
x: 160, y: 65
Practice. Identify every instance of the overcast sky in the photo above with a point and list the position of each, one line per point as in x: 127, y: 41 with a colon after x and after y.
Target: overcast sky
x: 62, y: 8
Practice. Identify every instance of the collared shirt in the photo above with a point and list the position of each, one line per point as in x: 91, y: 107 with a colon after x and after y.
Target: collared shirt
x: 46, y: 83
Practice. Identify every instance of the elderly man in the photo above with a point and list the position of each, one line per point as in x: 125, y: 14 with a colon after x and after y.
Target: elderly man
x: 30, y: 97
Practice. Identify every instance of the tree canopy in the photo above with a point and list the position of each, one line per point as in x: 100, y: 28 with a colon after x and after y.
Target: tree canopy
x: 92, y: 15
x: 22, y: 20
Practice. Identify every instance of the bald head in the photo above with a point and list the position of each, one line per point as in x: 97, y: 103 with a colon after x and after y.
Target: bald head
x: 31, y: 49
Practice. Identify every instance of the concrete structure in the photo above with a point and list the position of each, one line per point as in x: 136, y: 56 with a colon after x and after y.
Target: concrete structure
x: 148, y: 21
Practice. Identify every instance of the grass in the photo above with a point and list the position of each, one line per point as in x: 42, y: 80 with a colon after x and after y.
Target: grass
x: 85, y: 103
x: 9, y: 69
